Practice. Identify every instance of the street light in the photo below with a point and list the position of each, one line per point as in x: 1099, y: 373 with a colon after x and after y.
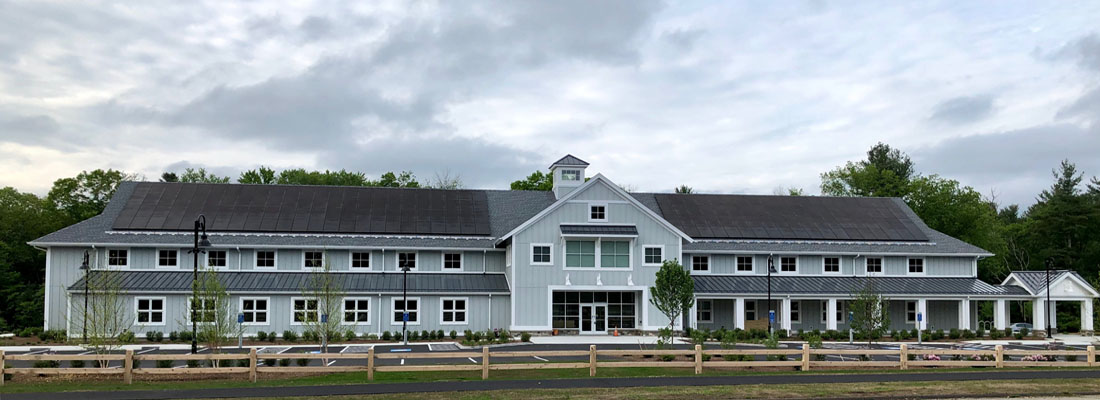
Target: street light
x: 405, y: 302
x: 771, y: 310
x: 85, y: 267
x: 201, y: 242
x: 1046, y: 310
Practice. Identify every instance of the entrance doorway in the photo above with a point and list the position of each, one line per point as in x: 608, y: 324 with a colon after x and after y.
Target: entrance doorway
x: 594, y: 319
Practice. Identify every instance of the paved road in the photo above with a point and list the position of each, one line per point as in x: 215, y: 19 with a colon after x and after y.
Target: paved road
x: 392, y: 388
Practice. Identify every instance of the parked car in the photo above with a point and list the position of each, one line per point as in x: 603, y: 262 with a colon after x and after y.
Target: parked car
x: 1021, y: 325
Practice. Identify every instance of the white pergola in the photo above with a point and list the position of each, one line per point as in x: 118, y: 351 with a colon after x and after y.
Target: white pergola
x: 1065, y: 286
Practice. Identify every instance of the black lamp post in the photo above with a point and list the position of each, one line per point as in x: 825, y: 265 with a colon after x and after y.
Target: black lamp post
x: 85, y: 267
x: 771, y: 310
x: 405, y: 302
x: 201, y: 242
x: 1046, y: 307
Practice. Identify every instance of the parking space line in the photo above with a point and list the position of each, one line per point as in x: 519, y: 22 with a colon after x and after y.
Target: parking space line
x: 86, y: 353
x: 330, y: 363
x: 36, y: 352
x: 402, y: 361
x: 147, y: 350
x: 472, y: 360
x: 283, y: 350
x: 540, y: 358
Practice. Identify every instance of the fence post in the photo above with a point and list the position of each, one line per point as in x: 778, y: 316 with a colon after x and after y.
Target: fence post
x: 485, y: 362
x: 2, y: 368
x: 698, y: 359
x: 904, y: 357
x: 252, y: 364
x: 128, y: 368
x: 1000, y: 357
x: 1092, y: 356
x: 805, y: 356
x: 592, y: 360
x: 370, y: 364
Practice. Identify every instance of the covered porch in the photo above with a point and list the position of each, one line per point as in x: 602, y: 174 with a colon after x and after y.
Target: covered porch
x: 1046, y: 291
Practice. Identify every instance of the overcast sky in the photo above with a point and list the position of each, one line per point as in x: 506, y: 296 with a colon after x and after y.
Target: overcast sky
x: 735, y: 97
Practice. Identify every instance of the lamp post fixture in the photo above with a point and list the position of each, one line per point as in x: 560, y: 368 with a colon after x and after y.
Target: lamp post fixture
x: 84, y: 266
x: 201, y: 242
x: 771, y: 310
x: 1046, y: 311
x: 405, y: 302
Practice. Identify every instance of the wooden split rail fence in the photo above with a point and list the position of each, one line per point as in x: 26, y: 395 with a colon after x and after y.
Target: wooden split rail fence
x: 807, y: 360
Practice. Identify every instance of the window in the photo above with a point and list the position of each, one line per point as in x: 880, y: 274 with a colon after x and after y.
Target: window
x: 356, y: 310
x: 216, y: 259
x: 653, y: 255
x: 788, y: 264
x: 570, y: 174
x: 750, y: 310
x: 700, y: 263
x: 408, y: 259
x: 704, y: 311
x: 265, y: 258
x: 167, y: 258
x: 840, y: 314
x: 150, y: 310
x: 254, y: 310
x: 832, y: 265
x: 744, y: 263
x: 313, y: 259
x: 615, y: 254
x: 118, y: 258
x: 621, y: 308
x: 205, y: 312
x: 305, y: 310
x: 454, y: 311
x: 452, y: 261
x: 580, y: 254
x: 824, y: 311
x: 360, y: 260
x: 874, y: 265
x: 541, y: 254
x: 916, y: 266
x: 796, y: 311
x: 400, y: 306
x: 597, y: 212
x: 911, y: 311
x: 841, y: 311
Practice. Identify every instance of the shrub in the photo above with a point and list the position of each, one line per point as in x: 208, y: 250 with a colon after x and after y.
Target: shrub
x: 1071, y: 358
x: 913, y: 333
x: 185, y: 336
x: 831, y: 334
x: 310, y: 336
x: 290, y: 336
x: 816, y: 343
x: 126, y: 337
x: 386, y: 336
x: 29, y: 331
x: 454, y: 335
x: 414, y: 335
x: 243, y: 363
x: 1008, y: 332
x: 967, y: 334
x: 53, y: 335
x: 980, y: 333
x: 801, y: 333
x: 192, y: 363
x: 1018, y: 335
x: 261, y: 336
x: 76, y: 364
x: 173, y: 336
x: 270, y: 362
x: 164, y: 363
x: 773, y: 343
x: 424, y: 335
x: 953, y: 334
x: 903, y: 335
x: 284, y: 362
x: 698, y: 337
x: 937, y: 334
x: 151, y: 336
x: 439, y: 334
x: 47, y: 364
x: 782, y: 333
x: 350, y: 335
x: 302, y: 362
x: 668, y: 357
x: 996, y: 334
x: 159, y: 337
x: 476, y: 336
x: 525, y: 337
x: 225, y: 363
x: 1025, y: 332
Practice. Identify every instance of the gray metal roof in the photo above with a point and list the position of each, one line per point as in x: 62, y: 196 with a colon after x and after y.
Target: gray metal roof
x: 1036, y: 281
x: 567, y: 229
x: 296, y: 282
x: 570, y: 160
x: 848, y: 285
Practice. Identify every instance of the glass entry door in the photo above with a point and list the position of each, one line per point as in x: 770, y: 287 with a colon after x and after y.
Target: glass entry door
x: 594, y: 319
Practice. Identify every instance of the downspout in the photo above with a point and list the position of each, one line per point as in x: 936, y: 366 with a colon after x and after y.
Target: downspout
x: 239, y: 257
x: 490, y: 318
x: 484, y: 261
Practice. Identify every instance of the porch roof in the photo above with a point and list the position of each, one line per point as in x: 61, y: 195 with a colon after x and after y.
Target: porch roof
x: 849, y: 285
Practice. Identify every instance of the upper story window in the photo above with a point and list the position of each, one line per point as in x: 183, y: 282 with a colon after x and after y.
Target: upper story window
x: 167, y: 258
x: 916, y: 265
x: 832, y: 265
x: 118, y: 258
x: 570, y: 174
x: 597, y: 212
x: 744, y: 263
x: 874, y: 265
x: 360, y: 260
x: 615, y: 254
x: 216, y: 259
x: 313, y: 259
x: 452, y: 261
x: 788, y: 264
x: 408, y: 259
x: 653, y: 255
x: 265, y: 259
x: 700, y: 263
x: 541, y: 254
x: 580, y: 254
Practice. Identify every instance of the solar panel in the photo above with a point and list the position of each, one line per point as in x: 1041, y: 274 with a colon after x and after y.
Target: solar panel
x: 312, y: 209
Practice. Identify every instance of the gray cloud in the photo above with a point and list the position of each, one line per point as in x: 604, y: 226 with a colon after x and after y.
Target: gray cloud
x: 1085, y: 51
x: 963, y: 110
x: 683, y: 38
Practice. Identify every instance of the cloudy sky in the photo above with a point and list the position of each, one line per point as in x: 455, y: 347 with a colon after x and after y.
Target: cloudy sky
x: 723, y: 96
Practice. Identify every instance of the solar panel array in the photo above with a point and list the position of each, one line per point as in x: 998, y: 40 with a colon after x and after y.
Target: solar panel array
x: 789, y: 217
x: 305, y: 209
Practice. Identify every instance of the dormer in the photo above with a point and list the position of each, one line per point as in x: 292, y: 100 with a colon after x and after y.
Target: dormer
x: 568, y: 174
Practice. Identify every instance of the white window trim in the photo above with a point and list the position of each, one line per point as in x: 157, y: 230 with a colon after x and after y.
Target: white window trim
x: 653, y: 246
x: 825, y: 311
x: 397, y: 261
x: 750, y: 309
x: 256, y: 259
x: 466, y: 310
x: 351, y: 261
x: 606, y: 211
x: 916, y: 310
x: 206, y: 259
x: 163, y: 309
x: 323, y: 259
x: 343, y: 310
x: 780, y: 266
x: 267, y: 311
x: 187, y: 307
x: 595, y: 254
x: 691, y: 264
x: 923, y: 266
x: 443, y: 261
x: 419, y: 312
x: 792, y: 315
x: 107, y: 258
x: 292, y: 310
x: 156, y: 262
x: 629, y: 255
x: 839, y: 264
x: 532, y: 253
x: 882, y: 263
x: 697, y: 309
x: 752, y: 264
x: 580, y: 175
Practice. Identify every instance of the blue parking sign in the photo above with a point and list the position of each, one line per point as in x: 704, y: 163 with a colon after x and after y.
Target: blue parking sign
x: 405, y: 316
x: 240, y: 318
x: 771, y: 316
x: 920, y: 317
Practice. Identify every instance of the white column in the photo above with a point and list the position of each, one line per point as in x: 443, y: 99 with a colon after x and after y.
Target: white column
x: 922, y: 308
x: 785, y: 312
x: 999, y: 315
x: 693, y: 316
x: 739, y: 313
x: 1086, y: 315
x: 830, y: 317
x: 1038, y: 318
x: 1052, y: 308
x: 964, y: 314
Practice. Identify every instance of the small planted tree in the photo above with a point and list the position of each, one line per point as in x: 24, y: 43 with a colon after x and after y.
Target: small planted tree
x: 673, y: 294
x: 870, y: 313
x: 327, y: 289
x: 215, y: 313
x: 108, y: 314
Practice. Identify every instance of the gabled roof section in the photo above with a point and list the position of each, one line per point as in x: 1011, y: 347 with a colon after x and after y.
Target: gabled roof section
x: 1035, y: 282
x: 569, y: 161
x: 602, y: 180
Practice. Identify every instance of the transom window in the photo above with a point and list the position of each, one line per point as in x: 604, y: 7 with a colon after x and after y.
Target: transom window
x: 360, y: 260
x: 580, y: 254
x: 744, y: 263
x: 452, y: 261
x: 653, y: 255
x: 265, y: 259
x: 357, y: 310
x: 540, y: 254
x: 404, y: 259
x: 254, y: 310
x: 788, y: 264
x: 597, y: 212
x: 704, y: 311
x: 313, y: 259
x: 412, y: 306
x: 570, y: 174
x: 874, y: 265
x: 150, y: 310
x: 614, y: 254
x: 206, y: 310
x: 750, y: 310
x: 832, y: 264
x: 796, y: 311
x: 118, y: 258
x: 305, y: 310
x: 216, y: 259
x: 911, y: 311
x: 916, y: 265
x: 454, y: 311
x: 167, y: 258
x: 700, y: 263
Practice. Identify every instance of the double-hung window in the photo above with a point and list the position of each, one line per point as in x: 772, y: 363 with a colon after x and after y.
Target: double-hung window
x: 167, y: 258
x: 744, y: 263
x: 406, y: 259
x: 788, y: 264
x: 824, y: 311
x: 254, y: 310
x: 916, y: 266
x: 452, y: 261
x: 150, y: 310
x: 831, y: 265
x: 911, y: 312
x: 304, y: 310
x: 454, y: 311
x: 265, y: 259
x: 704, y: 311
x: 580, y: 254
x: 360, y: 260
x: 700, y: 263
x: 216, y: 259
x: 356, y: 310
x: 313, y: 259
x: 653, y: 255
x: 400, y: 306
x: 874, y: 265
x: 796, y: 311
x: 614, y: 254
x: 118, y: 258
